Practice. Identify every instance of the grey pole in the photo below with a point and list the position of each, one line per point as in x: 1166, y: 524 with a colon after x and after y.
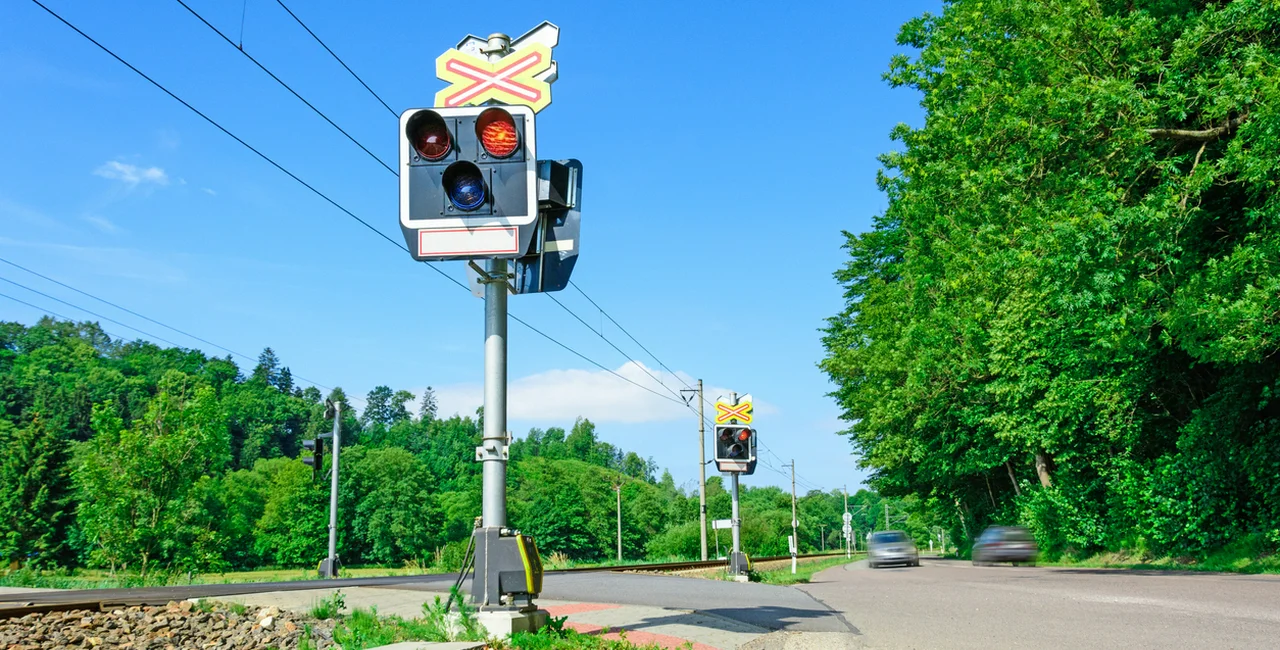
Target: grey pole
x: 736, y: 521
x: 822, y: 530
x: 333, y: 492
x: 702, y: 474
x: 795, y: 531
x: 848, y: 538
x: 494, y: 504
x: 617, y: 487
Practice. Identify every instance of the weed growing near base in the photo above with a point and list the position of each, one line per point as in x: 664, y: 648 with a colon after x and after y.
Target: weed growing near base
x: 364, y: 628
x: 555, y: 636
x: 330, y: 607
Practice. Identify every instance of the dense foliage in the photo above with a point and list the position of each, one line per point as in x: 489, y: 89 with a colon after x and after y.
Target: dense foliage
x: 1069, y: 314
x: 125, y: 455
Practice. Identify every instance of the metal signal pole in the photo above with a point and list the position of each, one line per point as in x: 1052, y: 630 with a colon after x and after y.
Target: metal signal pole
x: 849, y: 537
x: 702, y: 473
x: 737, y: 520
x: 494, y: 504
x: 795, y: 524
x: 333, y: 492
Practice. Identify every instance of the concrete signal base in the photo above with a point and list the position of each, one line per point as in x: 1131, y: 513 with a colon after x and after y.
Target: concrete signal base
x: 502, y: 623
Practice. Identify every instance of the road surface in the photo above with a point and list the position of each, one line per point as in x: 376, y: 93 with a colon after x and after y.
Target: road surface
x: 951, y: 604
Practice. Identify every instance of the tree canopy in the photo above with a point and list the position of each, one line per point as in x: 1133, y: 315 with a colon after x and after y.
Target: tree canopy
x: 1069, y: 313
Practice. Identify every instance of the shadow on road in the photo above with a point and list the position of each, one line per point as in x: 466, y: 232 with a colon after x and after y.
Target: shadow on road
x: 776, y: 618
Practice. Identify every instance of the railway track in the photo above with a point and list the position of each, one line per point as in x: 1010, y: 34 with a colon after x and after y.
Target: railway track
x: 21, y: 604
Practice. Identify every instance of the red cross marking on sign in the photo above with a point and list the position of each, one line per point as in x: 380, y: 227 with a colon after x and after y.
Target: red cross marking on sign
x: 727, y: 412
x: 501, y: 78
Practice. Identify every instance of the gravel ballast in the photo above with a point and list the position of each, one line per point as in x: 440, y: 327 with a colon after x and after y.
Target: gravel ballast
x: 177, y: 626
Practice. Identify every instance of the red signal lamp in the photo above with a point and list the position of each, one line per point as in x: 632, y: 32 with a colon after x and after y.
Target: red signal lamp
x: 429, y: 135
x: 497, y: 132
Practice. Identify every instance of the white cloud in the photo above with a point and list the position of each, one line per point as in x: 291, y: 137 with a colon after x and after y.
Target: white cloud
x: 562, y: 395
x: 103, y: 224
x: 131, y: 175
x: 208, y: 191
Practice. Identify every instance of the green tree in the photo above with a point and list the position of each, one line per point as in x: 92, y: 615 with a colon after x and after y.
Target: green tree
x: 33, y: 492
x: 1063, y: 316
x: 132, y: 483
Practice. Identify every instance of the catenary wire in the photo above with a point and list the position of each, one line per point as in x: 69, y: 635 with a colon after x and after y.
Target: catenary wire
x: 615, y: 347
x: 124, y: 309
x: 89, y: 311
x: 50, y: 311
x: 393, y: 113
x: 624, y: 331
x: 282, y: 84
x: 326, y: 118
x: 146, y: 318
x: 336, y: 57
x: 290, y: 174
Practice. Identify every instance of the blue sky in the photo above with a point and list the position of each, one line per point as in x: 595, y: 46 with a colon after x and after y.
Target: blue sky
x: 725, y: 146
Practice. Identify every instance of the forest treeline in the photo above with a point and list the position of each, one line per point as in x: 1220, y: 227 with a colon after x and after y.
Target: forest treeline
x: 1069, y: 314
x: 128, y: 456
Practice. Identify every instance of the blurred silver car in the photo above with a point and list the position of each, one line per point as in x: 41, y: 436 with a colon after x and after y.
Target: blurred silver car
x: 892, y: 547
x: 1005, y: 544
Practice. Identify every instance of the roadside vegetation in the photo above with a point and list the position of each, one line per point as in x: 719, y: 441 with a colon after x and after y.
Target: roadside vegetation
x: 123, y: 463
x: 804, y: 570
x: 1068, y: 316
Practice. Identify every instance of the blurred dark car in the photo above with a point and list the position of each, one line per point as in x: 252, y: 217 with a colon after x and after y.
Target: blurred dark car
x: 1005, y: 544
x: 892, y: 547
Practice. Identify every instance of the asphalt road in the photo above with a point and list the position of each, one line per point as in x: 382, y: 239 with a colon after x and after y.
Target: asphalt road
x: 951, y: 604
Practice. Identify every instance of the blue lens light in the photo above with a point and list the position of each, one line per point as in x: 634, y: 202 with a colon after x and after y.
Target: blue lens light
x: 464, y: 186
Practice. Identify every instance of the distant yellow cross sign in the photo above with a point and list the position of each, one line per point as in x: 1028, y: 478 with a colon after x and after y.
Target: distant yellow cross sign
x: 725, y: 412
x: 509, y: 80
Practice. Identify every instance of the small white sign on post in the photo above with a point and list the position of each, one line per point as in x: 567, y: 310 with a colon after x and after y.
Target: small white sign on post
x: 848, y: 517
x: 721, y: 524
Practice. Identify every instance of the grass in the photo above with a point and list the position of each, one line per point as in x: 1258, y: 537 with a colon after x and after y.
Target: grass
x: 782, y: 575
x: 101, y: 579
x: 1228, y: 560
x: 330, y: 607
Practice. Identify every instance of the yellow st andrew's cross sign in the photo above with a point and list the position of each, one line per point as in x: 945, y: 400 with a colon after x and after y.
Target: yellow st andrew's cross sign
x: 726, y: 412
x: 521, y: 77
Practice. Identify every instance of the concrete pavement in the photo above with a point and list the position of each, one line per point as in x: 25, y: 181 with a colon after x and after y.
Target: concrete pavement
x: 953, y: 604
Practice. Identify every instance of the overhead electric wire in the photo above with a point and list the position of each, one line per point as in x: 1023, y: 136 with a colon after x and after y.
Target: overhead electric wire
x: 124, y: 309
x: 88, y: 311
x: 50, y: 311
x: 393, y: 113
x: 624, y: 331
x: 290, y: 174
x: 336, y: 57
x: 278, y: 80
x: 142, y: 316
x: 615, y: 347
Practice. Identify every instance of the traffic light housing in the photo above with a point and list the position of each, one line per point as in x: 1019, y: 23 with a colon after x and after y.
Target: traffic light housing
x: 735, y: 448
x: 468, y: 182
x: 316, y: 460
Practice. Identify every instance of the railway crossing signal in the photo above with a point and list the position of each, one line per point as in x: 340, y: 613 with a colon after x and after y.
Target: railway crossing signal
x: 735, y: 448
x: 316, y: 460
x: 468, y: 182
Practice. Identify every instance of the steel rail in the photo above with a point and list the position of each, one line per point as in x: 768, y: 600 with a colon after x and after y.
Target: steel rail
x: 16, y: 605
